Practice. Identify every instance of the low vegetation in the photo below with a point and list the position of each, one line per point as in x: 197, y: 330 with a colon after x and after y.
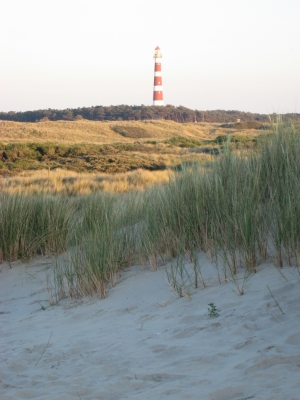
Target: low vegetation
x: 114, y: 148
x: 103, y: 132
x: 243, y: 209
x: 60, y: 181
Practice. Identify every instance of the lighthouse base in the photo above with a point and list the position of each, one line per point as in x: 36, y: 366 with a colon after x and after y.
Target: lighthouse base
x: 158, y: 102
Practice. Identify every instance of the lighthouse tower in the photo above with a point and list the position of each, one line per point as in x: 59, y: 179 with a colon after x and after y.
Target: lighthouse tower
x: 158, y: 88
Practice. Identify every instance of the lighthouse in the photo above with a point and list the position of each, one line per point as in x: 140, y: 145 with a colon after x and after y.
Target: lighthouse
x: 158, y: 88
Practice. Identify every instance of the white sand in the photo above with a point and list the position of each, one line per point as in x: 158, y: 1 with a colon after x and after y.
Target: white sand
x: 143, y: 342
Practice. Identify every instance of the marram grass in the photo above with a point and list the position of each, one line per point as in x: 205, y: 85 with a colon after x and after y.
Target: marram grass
x: 243, y: 209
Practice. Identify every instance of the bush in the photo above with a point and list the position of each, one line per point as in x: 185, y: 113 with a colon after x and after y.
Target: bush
x: 180, y: 141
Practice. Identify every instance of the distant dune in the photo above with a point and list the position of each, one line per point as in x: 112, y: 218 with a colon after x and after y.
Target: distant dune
x: 98, y: 132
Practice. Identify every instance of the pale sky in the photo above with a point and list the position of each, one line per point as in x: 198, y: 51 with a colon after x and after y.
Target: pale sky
x: 217, y: 54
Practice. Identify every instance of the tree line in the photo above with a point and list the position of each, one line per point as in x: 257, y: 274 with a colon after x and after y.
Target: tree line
x: 138, y: 113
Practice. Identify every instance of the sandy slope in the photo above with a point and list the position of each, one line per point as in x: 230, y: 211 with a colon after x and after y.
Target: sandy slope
x: 143, y: 342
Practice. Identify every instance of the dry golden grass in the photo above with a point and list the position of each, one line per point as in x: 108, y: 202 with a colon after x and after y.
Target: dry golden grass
x: 72, y: 183
x: 97, y: 132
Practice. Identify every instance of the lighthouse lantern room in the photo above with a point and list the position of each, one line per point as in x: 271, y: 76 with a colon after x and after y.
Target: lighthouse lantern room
x: 158, y: 88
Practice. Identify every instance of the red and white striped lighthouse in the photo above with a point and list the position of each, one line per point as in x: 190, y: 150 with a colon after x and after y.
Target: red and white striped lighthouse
x: 158, y: 88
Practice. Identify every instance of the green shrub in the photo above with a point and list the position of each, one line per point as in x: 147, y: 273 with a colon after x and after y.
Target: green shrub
x: 180, y: 141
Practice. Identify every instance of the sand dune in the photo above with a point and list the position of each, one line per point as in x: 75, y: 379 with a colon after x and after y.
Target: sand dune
x: 144, y: 342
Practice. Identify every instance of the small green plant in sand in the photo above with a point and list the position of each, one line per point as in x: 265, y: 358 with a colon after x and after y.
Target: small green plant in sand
x: 213, y: 312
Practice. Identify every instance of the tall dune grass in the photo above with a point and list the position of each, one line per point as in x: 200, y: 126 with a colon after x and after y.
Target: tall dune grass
x: 103, y: 243
x: 34, y: 225
x: 243, y: 209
